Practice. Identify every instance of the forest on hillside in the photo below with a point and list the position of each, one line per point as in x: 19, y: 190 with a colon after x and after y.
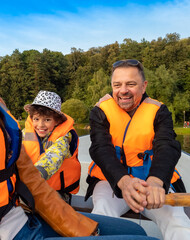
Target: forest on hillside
x: 82, y: 77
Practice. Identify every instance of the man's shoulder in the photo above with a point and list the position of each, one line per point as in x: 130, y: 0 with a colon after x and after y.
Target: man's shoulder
x: 97, y: 114
x: 104, y: 98
x: 152, y: 101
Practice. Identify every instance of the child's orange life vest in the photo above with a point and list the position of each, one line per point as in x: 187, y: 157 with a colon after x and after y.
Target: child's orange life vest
x: 68, y: 176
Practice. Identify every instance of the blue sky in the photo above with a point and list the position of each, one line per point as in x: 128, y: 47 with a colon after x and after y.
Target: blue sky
x: 59, y: 25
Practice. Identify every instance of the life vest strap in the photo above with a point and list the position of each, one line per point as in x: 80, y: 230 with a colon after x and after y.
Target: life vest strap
x: 142, y: 171
x: 22, y: 190
x: 6, y: 173
x: 5, y: 209
x: 70, y: 188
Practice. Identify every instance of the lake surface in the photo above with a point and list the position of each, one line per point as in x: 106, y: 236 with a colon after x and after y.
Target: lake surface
x: 185, y: 142
x: 183, y: 139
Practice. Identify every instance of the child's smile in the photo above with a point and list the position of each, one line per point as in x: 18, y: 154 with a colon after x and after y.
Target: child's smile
x: 43, y: 124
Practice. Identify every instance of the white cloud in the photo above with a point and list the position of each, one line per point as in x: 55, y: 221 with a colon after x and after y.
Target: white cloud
x: 93, y: 27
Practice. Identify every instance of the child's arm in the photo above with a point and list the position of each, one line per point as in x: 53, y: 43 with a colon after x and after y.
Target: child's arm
x: 54, y: 156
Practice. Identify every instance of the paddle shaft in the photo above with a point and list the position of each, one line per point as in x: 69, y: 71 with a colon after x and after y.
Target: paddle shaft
x: 178, y: 199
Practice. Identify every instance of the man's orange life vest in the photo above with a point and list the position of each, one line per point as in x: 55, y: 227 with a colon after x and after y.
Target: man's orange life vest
x: 67, y: 177
x: 10, y: 139
x: 131, y: 137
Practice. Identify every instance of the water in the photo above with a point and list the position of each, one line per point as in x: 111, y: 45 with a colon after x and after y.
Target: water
x: 183, y: 139
x: 82, y: 132
x: 185, y: 142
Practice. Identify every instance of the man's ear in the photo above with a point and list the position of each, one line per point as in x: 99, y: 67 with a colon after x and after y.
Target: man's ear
x: 144, y: 86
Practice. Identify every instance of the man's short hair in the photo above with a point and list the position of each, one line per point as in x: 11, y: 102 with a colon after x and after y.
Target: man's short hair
x: 129, y: 63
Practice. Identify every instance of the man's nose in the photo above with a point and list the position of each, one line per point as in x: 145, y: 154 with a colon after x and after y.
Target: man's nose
x: 124, y: 89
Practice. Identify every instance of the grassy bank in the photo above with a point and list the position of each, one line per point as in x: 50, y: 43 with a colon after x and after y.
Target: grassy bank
x: 182, y: 131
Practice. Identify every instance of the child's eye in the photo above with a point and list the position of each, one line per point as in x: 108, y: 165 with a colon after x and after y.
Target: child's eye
x: 35, y: 119
x: 48, y: 119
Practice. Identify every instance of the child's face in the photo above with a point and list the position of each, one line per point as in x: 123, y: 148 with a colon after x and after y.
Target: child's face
x: 43, y: 124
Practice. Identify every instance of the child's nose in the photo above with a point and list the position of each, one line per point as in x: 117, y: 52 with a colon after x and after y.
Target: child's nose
x: 41, y: 123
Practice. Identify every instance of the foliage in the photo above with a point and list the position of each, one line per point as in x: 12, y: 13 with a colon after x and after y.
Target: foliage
x: 85, y: 76
x: 99, y: 85
x: 171, y: 109
x: 181, y: 103
x: 76, y: 109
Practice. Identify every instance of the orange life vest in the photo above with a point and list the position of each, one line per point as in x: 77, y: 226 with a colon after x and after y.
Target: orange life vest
x: 68, y: 176
x: 4, y: 197
x: 10, y: 139
x: 133, y: 136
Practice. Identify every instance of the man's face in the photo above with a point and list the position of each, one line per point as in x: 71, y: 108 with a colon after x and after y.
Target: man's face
x: 128, y: 87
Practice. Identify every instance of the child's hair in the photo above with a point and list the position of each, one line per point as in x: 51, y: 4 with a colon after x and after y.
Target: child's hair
x: 44, y: 111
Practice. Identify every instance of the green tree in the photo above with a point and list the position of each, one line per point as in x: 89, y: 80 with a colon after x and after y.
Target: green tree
x: 171, y: 109
x: 94, y: 59
x: 86, y: 75
x: 181, y: 103
x: 99, y: 85
x: 76, y: 109
x: 130, y: 50
x: 12, y: 85
x: 37, y: 73
x: 163, y: 85
x: 182, y: 69
x: 56, y: 65
x: 78, y: 86
x: 152, y: 55
x: 109, y: 54
x: 152, y: 82
x: 75, y: 59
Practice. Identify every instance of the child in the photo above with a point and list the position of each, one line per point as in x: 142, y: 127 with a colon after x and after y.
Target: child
x: 52, y: 143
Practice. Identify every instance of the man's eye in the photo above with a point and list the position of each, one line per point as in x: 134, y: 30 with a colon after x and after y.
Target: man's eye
x: 131, y: 84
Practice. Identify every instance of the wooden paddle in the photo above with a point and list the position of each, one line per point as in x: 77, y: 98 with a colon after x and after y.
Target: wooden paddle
x: 178, y: 199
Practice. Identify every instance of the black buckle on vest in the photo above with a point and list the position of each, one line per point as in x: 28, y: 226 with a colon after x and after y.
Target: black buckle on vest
x: 143, y: 156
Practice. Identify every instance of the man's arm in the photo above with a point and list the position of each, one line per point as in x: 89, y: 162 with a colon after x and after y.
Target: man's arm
x: 167, y: 150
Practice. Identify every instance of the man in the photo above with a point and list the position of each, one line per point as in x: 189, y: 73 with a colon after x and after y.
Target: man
x: 135, y: 152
